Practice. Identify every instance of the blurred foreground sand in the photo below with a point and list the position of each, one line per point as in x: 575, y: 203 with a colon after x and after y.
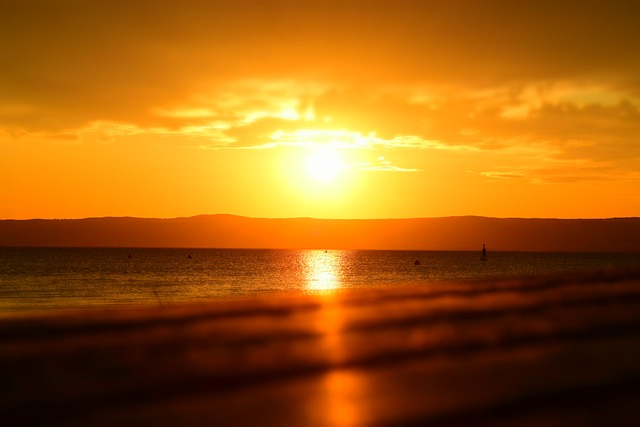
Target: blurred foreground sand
x: 553, y: 350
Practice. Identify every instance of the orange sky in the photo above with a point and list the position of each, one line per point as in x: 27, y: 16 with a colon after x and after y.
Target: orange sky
x: 319, y: 108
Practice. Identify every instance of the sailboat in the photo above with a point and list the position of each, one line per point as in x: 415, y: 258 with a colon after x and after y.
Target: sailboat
x: 483, y: 257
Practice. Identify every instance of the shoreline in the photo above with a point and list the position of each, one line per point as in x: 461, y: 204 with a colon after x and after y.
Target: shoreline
x: 560, y: 348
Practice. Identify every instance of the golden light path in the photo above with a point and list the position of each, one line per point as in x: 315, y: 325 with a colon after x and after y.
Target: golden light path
x: 339, y: 396
x: 322, y: 269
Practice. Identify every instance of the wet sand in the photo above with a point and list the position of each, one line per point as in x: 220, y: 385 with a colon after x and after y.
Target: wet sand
x: 553, y: 350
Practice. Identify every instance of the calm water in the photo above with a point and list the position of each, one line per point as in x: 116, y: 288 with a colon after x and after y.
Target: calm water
x: 44, y: 278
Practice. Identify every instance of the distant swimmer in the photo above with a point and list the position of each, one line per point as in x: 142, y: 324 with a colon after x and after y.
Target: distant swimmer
x: 189, y: 256
x: 130, y: 256
x: 483, y: 257
x: 416, y: 262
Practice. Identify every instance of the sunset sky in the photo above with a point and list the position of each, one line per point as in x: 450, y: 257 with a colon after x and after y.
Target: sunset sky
x: 327, y: 109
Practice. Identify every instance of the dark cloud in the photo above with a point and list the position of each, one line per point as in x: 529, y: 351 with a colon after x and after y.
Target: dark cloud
x: 71, y: 62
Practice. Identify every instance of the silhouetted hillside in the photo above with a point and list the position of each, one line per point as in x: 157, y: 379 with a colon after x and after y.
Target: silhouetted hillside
x: 227, y: 231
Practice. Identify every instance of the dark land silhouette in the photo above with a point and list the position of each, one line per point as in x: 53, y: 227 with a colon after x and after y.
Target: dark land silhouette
x: 228, y: 231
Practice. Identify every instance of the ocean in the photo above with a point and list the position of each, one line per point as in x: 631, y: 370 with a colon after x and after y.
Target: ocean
x: 63, y: 278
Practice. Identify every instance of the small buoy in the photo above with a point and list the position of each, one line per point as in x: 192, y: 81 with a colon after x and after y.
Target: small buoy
x: 417, y: 262
x: 189, y: 256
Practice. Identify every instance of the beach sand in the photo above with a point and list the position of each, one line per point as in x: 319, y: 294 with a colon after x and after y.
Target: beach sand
x: 552, y: 350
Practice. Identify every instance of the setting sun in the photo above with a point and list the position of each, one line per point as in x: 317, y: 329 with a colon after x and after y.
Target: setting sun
x: 325, y: 164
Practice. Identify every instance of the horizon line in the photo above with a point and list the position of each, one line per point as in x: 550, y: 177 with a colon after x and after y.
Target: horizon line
x: 312, y: 218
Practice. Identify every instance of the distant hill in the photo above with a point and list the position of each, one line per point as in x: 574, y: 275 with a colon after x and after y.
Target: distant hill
x: 228, y: 231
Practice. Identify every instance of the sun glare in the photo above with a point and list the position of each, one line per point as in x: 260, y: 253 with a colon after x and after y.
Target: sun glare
x: 325, y: 165
x: 323, y: 269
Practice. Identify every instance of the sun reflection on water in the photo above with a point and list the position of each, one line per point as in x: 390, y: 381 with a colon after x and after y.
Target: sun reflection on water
x: 322, y: 270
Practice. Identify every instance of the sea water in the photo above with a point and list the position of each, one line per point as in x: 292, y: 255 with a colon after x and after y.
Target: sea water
x: 47, y: 278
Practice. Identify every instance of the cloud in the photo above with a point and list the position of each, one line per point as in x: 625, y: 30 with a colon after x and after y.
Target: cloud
x: 74, y: 62
x: 503, y: 175
x: 543, y: 81
x: 389, y: 168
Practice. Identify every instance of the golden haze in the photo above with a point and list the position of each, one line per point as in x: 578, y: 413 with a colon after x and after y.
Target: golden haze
x: 319, y: 109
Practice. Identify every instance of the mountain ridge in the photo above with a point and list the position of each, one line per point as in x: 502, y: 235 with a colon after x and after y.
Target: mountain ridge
x: 234, y: 231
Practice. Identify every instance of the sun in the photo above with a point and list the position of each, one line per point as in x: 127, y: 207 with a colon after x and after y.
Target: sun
x: 325, y: 164
x: 319, y: 178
